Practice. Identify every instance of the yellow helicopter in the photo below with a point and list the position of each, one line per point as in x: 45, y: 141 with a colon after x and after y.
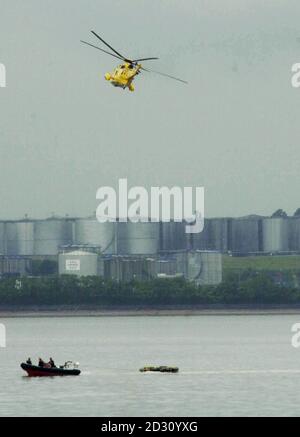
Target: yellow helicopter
x: 125, y: 73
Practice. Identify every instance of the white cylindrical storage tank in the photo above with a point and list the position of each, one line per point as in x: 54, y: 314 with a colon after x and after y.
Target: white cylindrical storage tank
x: 213, y: 237
x: 167, y: 236
x: 172, y: 236
x: 78, y: 263
x: 211, y: 270
x: 201, y: 241
x: 11, y: 239
x: 219, y: 234
x: 20, y: 238
x: 294, y: 234
x: 138, y: 238
x: 201, y: 267
x: 275, y: 235
x: 2, y: 238
x: 90, y: 232
x: 245, y: 235
x: 50, y: 234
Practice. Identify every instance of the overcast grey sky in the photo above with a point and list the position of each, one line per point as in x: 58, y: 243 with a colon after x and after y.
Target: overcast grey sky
x: 234, y: 129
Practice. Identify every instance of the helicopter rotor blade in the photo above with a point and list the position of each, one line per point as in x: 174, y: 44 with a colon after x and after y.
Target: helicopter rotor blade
x: 98, y: 48
x: 110, y: 47
x: 164, y: 74
x: 144, y: 59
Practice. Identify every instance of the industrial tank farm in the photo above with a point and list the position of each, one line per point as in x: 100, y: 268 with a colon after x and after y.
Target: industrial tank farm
x: 172, y: 236
x: 138, y: 238
x: 275, y: 235
x: 2, y: 238
x: 89, y: 232
x: 294, y: 234
x: 123, y: 251
x: 215, y: 236
x: 20, y: 238
x: 211, y: 272
x: 78, y: 262
x: 201, y: 267
x: 245, y: 235
x: 50, y: 235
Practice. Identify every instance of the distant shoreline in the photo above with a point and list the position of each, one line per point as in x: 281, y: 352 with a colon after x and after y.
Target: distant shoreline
x: 136, y: 311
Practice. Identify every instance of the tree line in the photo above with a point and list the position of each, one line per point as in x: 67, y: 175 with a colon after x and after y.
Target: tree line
x: 247, y: 287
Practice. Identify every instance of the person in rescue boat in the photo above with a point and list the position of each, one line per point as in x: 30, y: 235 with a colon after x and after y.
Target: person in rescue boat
x: 51, y: 362
x: 41, y: 362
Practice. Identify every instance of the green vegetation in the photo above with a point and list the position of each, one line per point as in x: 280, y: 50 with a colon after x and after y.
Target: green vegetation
x: 287, y: 263
x: 246, y: 287
x: 246, y: 280
x: 44, y: 267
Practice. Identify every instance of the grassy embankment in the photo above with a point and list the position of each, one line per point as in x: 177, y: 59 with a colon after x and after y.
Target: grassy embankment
x: 288, y: 263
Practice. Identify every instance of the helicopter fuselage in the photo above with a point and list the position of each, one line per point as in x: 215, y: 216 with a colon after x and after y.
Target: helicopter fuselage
x: 124, y: 75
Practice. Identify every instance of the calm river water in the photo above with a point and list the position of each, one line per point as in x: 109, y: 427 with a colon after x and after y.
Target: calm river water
x: 229, y: 366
